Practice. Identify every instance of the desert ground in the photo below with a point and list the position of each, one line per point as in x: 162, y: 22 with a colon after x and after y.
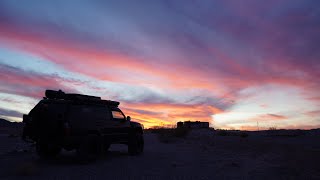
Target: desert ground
x: 201, y: 154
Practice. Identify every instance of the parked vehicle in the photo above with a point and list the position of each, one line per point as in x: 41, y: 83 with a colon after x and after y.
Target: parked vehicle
x: 82, y: 122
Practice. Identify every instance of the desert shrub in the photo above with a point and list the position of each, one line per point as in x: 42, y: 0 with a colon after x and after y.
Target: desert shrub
x: 223, y: 133
x: 167, y: 135
x: 181, y: 132
x: 273, y: 128
x: 244, y: 134
x: 286, y: 133
x: 231, y: 133
x: 158, y: 130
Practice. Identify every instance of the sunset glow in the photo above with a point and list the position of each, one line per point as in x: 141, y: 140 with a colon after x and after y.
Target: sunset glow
x: 237, y: 66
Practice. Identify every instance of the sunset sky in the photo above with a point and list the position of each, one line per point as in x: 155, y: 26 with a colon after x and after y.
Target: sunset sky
x: 231, y: 63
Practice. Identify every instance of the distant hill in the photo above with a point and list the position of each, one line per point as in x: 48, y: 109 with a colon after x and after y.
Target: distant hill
x: 7, y: 127
x: 6, y: 123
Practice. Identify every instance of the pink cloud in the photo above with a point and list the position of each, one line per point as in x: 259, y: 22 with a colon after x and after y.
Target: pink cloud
x: 99, y: 64
x: 315, y: 113
x: 231, y: 75
x: 17, y: 81
x: 115, y: 67
x: 268, y: 117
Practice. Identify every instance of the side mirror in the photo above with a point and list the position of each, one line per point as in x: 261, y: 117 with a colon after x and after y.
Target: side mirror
x: 25, y: 118
x: 128, y: 118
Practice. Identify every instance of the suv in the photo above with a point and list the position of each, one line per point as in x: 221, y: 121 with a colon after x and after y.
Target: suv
x: 85, y: 123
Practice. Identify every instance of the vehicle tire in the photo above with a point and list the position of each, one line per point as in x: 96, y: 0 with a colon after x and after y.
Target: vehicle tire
x: 90, y: 149
x: 47, y: 150
x: 136, y: 144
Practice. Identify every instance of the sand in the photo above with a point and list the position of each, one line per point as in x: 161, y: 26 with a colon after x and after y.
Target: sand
x: 201, y: 155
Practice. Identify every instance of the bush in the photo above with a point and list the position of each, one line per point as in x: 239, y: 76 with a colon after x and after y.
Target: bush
x: 232, y: 133
x: 244, y: 135
x: 223, y: 133
x: 273, y: 128
x: 167, y: 135
x: 181, y: 132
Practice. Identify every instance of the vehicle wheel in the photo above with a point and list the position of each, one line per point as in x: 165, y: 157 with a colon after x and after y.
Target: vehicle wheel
x: 46, y: 150
x: 136, y: 144
x: 90, y: 149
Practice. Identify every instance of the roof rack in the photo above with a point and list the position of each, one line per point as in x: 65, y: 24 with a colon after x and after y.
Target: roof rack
x: 52, y: 94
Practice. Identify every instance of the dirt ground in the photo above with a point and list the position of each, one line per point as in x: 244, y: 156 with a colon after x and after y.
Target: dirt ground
x: 201, y: 155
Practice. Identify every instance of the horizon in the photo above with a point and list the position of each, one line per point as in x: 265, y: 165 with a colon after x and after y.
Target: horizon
x: 236, y: 65
x: 174, y: 126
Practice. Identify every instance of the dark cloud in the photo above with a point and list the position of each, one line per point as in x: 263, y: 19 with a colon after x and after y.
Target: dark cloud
x: 145, y: 112
x: 10, y: 113
x: 277, y: 116
x: 271, y: 117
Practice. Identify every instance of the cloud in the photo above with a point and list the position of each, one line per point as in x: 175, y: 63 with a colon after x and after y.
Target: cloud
x: 148, y: 107
x: 273, y: 117
x: 176, y: 54
x: 229, y: 74
x: 30, y: 84
x: 169, y: 114
x: 217, y: 67
x: 10, y: 113
x: 315, y: 113
x: 266, y: 118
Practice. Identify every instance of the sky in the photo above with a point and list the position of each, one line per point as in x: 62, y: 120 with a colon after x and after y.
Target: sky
x: 235, y: 64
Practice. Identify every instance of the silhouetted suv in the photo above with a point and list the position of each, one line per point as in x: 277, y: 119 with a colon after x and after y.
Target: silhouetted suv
x: 85, y: 123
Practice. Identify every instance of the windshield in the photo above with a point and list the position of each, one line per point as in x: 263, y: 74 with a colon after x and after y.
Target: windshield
x: 116, y: 114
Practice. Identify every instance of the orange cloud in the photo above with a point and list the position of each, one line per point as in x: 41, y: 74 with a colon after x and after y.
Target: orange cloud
x: 169, y: 114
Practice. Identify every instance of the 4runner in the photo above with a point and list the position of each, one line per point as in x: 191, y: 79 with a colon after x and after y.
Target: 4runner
x: 85, y: 123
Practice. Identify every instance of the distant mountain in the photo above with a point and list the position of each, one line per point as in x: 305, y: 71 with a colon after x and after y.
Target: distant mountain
x: 7, y: 127
x: 6, y: 123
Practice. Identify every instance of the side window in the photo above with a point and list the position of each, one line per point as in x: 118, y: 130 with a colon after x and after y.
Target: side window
x: 97, y: 112
x: 117, y: 114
